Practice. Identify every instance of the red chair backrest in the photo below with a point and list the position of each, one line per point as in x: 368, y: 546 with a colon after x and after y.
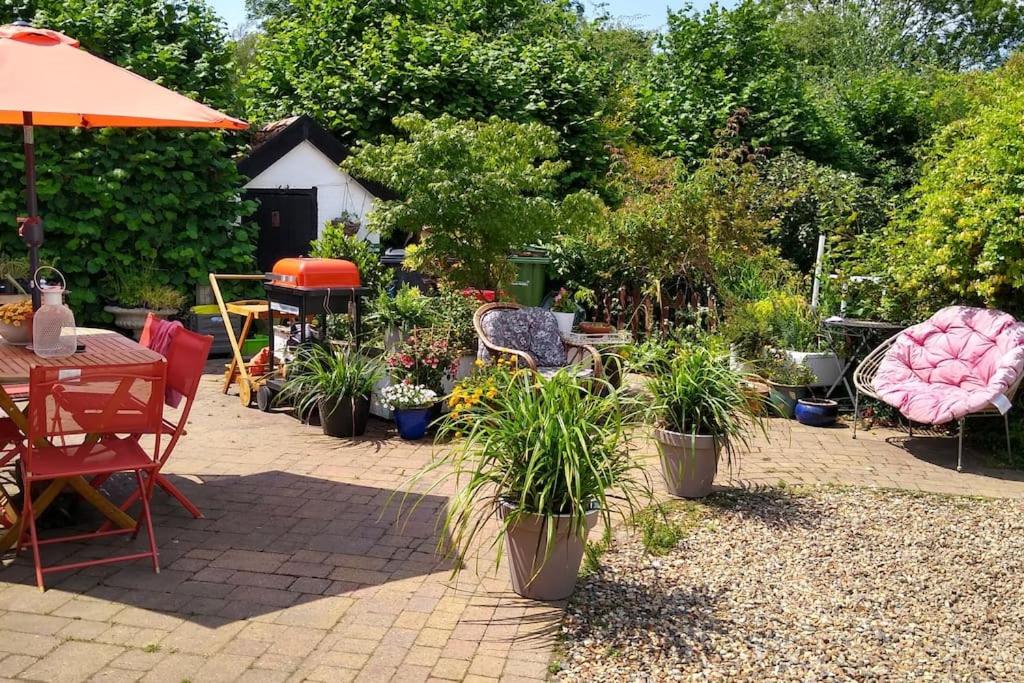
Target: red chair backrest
x: 146, y: 337
x: 98, y: 399
x: 186, y: 360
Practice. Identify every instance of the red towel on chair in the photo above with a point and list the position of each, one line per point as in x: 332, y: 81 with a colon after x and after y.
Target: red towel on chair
x: 161, y: 334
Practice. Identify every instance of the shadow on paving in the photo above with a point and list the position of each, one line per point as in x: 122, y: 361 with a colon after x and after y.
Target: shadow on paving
x: 938, y: 449
x: 269, y: 541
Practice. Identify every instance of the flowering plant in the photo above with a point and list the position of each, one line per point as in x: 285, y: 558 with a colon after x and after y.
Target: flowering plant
x: 424, y: 358
x: 17, y: 313
x: 483, y: 385
x: 564, y: 302
x: 407, y: 396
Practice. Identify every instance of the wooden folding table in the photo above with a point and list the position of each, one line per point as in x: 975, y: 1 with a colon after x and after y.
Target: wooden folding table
x: 102, y: 347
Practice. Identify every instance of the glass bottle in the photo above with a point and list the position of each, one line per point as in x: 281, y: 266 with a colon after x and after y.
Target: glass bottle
x: 53, y: 325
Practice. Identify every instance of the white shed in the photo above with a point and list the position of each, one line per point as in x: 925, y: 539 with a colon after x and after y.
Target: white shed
x: 295, y: 177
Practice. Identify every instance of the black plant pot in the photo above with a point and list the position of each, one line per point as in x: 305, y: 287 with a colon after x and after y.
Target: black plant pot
x: 345, y: 416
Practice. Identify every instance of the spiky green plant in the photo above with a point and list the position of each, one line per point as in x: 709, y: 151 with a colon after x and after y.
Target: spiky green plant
x: 320, y: 373
x: 700, y: 394
x: 553, y: 447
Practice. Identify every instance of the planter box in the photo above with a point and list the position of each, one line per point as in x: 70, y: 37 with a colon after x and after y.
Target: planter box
x: 825, y: 365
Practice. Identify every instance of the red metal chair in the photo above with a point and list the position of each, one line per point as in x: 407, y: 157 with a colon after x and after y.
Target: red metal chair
x: 85, y: 403
x: 186, y: 360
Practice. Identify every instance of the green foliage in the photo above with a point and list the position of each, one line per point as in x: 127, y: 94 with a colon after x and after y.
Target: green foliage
x: 451, y: 314
x: 875, y: 34
x: 355, y: 65
x: 472, y: 190
x: 960, y: 237
x: 541, y: 446
x: 782, y: 320
x: 777, y: 367
x: 807, y: 199
x: 406, y: 310
x: 663, y: 526
x: 700, y: 394
x: 320, y: 374
x: 111, y: 199
x: 334, y: 243
x: 712, y: 63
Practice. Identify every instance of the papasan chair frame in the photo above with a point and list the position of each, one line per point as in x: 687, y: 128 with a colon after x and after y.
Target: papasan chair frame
x: 863, y: 383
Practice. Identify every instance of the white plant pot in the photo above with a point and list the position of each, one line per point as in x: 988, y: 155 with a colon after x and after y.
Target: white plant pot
x: 825, y: 365
x: 376, y: 408
x: 134, y: 319
x: 565, y: 321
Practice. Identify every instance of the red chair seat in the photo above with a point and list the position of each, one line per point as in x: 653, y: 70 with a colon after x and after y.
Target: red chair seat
x: 109, y: 455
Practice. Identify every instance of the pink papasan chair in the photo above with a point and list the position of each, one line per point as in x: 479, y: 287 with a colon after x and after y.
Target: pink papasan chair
x: 960, y: 362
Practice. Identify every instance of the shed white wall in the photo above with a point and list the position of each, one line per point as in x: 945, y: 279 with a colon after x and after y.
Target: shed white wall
x: 304, y: 167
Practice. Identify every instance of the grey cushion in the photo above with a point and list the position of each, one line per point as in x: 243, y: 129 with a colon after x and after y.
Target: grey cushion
x: 533, y: 330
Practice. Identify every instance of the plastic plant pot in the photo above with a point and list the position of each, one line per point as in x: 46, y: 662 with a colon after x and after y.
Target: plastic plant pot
x: 412, y: 423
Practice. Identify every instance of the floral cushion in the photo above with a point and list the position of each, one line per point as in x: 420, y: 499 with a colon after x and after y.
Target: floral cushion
x: 533, y: 330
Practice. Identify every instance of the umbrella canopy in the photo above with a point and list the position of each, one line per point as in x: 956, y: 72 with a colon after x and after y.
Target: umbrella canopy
x: 47, y: 80
x: 45, y: 73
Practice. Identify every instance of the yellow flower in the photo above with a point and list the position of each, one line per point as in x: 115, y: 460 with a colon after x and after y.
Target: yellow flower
x: 478, y: 362
x: 492, y: 392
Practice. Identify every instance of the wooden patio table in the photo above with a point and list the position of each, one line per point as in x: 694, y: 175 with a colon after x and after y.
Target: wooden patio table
x: 102, y: 347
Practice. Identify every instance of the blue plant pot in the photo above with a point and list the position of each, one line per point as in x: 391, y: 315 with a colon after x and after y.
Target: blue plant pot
x: 816, y: 412
x: 412, y: 424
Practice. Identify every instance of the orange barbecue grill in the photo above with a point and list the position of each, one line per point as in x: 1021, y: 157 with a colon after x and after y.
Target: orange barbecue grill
x: 314, y: 272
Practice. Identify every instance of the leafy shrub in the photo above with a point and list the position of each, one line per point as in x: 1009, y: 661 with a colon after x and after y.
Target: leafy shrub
x: 473, y: 191
x: 781, y: 320
x: 334, y: 243
x: 775, y: 366
x: 112, y: 198
x: 960, y: 238
x: 355, y: 65
x: 451, y: 313
x: 406, y: 310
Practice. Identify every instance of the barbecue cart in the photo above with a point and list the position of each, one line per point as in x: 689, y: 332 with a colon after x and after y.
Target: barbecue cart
x: 299, y: 290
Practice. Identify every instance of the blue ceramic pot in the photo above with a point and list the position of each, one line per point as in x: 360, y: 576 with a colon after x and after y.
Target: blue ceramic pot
x: 816, y: 412
x: 412, y: 424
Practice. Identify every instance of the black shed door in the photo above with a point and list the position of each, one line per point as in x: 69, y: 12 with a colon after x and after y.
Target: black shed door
x: 287, y: 220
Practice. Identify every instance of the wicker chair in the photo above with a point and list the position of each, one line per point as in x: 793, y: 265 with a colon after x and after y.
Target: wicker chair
x: 575, y: 354
x: 863, y: 382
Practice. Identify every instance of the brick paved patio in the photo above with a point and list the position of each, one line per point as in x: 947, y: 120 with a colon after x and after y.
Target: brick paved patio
x: 301, y: 572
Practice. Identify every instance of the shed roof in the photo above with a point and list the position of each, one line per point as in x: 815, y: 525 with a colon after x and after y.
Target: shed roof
x: 277, y: 138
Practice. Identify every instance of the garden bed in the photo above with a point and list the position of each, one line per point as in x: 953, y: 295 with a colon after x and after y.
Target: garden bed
x: 823, y: 584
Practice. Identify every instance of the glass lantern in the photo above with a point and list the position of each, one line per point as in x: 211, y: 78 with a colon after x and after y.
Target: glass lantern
x: 53, y: 325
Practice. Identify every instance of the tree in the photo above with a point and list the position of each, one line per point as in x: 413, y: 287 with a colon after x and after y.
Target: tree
x: 473, y: 191
x: 711, y: 64
x: 116, y: 200
x: 355, y: 65
x: 961, y: 238
x: 861, y: 35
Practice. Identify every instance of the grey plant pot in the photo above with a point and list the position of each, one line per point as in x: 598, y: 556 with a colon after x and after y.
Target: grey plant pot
x: 689, y: 463
x: 783, y: 398
x: 533, y: 576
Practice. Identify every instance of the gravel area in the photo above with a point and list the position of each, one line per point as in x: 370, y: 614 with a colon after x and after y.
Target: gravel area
x: 811, y: 585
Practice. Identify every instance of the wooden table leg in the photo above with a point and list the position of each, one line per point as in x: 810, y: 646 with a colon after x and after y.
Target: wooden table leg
x: 232, y: 370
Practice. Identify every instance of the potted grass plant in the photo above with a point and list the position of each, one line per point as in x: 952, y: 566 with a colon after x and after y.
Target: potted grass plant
x: 787, y: 380
x: 705, y: 409
x: 549, y: 458
x: 335, y: 382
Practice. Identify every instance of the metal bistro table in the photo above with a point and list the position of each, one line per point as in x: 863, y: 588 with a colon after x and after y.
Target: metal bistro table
x: 854, y: 338
x: 102, y: 347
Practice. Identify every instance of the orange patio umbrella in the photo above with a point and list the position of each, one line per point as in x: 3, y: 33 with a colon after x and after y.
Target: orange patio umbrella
x: 46, y: 80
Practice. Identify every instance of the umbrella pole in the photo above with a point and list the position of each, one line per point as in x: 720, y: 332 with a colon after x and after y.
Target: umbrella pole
x: 32, y: 227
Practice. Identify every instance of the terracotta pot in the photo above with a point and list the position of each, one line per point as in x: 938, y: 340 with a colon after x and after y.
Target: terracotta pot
x: 688, y: 462
x: 345, y: 416
x: 533, y: 576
